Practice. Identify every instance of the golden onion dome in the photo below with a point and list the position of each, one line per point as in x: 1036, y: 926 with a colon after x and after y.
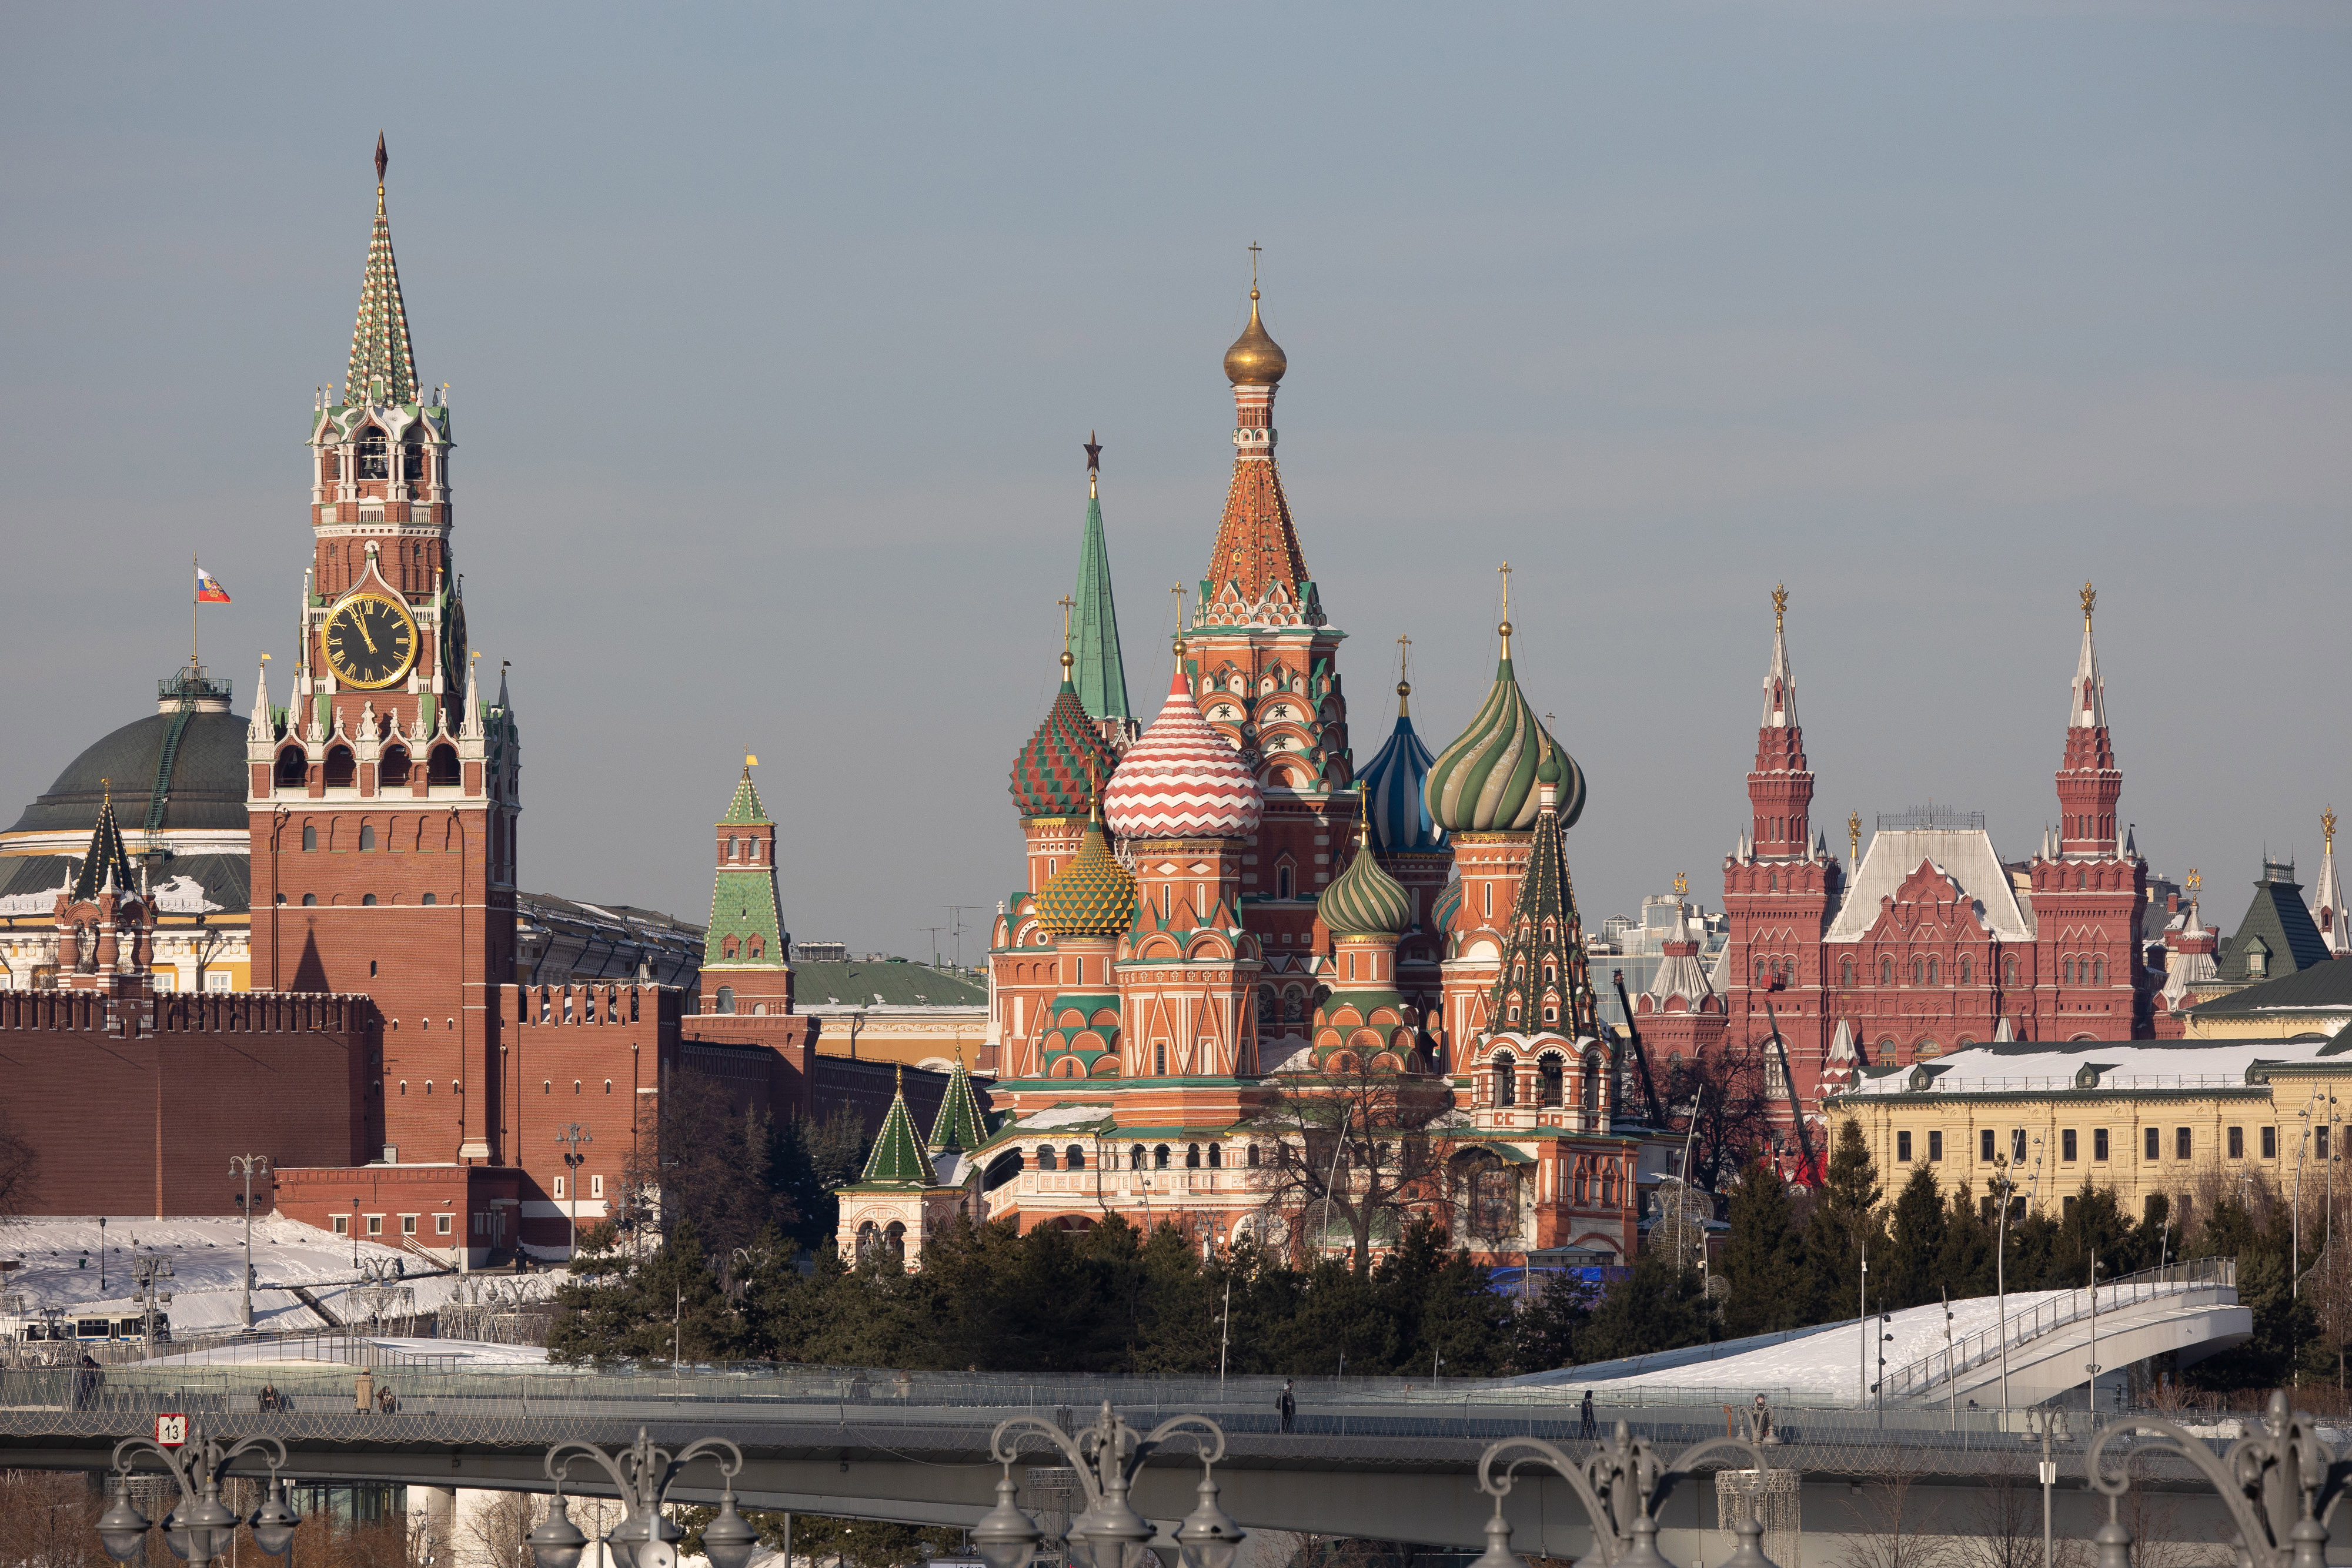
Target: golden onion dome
x: 1254, y: 359
x: 1093, y: 895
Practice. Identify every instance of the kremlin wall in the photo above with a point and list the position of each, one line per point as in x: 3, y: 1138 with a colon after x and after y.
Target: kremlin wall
x: 300, y: 931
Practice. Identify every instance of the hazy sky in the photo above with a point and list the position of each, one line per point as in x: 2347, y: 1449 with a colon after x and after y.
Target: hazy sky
x: 774, y: 333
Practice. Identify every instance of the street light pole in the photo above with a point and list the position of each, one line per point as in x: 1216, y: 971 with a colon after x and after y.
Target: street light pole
x: 202, y: 1529
x: 246, y: 1165
x: 572, y: 1137
x: 1106, y: 1458
x: 642, y: 1474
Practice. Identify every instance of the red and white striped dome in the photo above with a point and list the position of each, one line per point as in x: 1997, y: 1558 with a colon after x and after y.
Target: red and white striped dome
x: 1181, y: 780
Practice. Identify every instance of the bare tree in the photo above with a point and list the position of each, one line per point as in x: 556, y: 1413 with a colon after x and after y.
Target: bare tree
x: 20, y: 1170
x: 1894, y: 1521
x: 499, y: 1531
x: 2003, y: 1521
x: 47, y: 1520
x: 1722, y: 1100
x: 1358, y: 1147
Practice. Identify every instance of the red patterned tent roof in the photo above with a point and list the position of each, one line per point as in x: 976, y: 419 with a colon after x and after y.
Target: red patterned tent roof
x: 1057, y: 771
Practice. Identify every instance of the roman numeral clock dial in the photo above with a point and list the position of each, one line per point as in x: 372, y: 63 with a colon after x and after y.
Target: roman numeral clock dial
x: 371, y: 640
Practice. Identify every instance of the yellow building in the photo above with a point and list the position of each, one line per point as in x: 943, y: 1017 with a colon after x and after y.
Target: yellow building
x: 2263, y: 1083
x: 893, y: 1010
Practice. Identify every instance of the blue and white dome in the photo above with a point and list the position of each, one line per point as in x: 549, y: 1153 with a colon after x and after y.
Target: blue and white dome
x: 1395, y: 799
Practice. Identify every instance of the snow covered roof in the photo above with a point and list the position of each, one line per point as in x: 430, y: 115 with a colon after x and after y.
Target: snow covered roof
x: 1966, y: 855
x: 2108, y: 1066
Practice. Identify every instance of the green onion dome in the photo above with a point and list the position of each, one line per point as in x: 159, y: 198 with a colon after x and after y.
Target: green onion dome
x: 1093, y: 895
x: 1486, y: 781
x: 1364, y: 899
x: 1448, y: 906
x: 1056, y: 772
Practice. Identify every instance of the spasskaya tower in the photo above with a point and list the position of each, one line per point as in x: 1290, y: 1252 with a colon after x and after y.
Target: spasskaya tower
x: 383, y: 799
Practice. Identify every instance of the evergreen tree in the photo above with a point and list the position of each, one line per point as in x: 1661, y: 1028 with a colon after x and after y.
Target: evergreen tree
x: 1915, y: 1243
x: 1763, y: 1263
x: 1549, y: 1331
x: 1653, y: 1307
x: 1964, y: 1267
x: 1844, y: 1220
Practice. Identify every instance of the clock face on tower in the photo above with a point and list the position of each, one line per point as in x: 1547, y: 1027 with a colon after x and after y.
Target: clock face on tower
x: 371, y: 640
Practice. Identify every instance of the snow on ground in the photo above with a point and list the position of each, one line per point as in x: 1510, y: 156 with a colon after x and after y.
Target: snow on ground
x: 60, y: 1258
x: 1826, y: 1363
x: 468, y: 1354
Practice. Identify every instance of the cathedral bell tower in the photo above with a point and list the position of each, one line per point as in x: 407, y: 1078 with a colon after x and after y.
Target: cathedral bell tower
x: 384, y: 796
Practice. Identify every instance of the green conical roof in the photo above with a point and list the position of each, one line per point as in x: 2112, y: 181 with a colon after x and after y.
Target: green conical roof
x: 382, y: 369
x: 958, y: 1126
x: 745, y: 806
x: 106, y: 855
x: 1544, y: 975
x: 898, y: 1158
x: 1100, y: 676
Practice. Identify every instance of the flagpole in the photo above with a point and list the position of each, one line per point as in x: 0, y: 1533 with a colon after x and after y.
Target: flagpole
x: 194, y: 607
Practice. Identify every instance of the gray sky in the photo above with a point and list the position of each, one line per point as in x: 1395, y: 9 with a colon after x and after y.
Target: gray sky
x: 773, y: 336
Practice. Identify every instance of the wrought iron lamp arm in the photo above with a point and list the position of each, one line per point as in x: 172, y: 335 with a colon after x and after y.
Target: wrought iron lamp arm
x: 1210, y: 1450
x: 730, y: 1457
x: 568, y: 1452
x: 127, y: 1452
x: 2250, y: 1467
x: 1004, y: 1449
x: 1685, y: 1465
x: 1605, y: 1538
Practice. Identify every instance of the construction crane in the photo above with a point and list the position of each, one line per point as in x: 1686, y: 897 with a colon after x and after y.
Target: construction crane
x: 1657, y: 1114
x: 1788, y: 1083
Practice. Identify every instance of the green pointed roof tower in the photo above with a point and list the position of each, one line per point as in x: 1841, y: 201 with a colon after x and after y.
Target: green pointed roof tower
x: 382, y: 370
x: 107, y: 863
x: 898, y: 1158
x: 1100, y: 676
x: 743, y: 900
x: 958, y: 1128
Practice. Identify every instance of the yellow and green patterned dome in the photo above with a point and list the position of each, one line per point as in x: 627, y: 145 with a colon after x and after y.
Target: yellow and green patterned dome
x: 1364, y: 899
x: 1093, y: 895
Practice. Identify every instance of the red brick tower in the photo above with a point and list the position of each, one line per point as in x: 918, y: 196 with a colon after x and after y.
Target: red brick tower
x: 1260, y: 660
x: 2088, y: 978
x: 383, y: 799
x: 746, y: 959
x: 1781, y: 884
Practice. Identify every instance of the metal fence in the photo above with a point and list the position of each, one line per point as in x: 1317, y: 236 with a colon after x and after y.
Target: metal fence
x: 1986, y: 1344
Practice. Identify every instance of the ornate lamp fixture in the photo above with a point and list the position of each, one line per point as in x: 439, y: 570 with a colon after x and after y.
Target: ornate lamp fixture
x: 2278, y: 1482
x: 199, y: 1529
x: 646, y: 1536
x: 1105, y: 1458
x: 1621, y: 1486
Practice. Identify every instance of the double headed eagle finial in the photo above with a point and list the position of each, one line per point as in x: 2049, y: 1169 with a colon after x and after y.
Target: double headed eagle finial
x: 2090, y: 598
x: 1779, y: 604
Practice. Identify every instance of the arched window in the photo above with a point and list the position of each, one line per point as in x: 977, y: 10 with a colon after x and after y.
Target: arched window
x: 1591, y: 1088
x: 1886, y: 971
x: 2098, y: 971
x: 309, y: 899
x: 1772, y: 882
x: 367, y: 900
x: 392, y: 768
x: 1506, y: 1081
x: 309, y: 835
x: 293, y: 769
x: 1160, y: 1156
x: 1845, y: 971
x: 1931, y: 971
x: 1075, y: 1157
x: 412, y: 460
x: 1216, y: 1156
x: 2008, y: 969
x: 726, y: 999
x: 1254, y: 1156
x: 1551, y: 1075
x: 367, y: 836
x: 1191, y: 1156
x: 1967, y: 971
x: 1044, y: 1151
x: 757, y: 948
x: 441, y: 766
x: 727, y: 948
x: 1159, y: 1059
x: 1135, y: 1158
x: 375, y: 455
x: 1281, y: 881
x: 2082, y: 879
x: 2069, y: 971
x: 343, y: 771
x: 1918, y: 969
x: 432, y: 898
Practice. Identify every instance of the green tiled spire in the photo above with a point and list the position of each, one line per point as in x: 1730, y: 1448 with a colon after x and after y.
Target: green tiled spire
x: 958, y: 1126
x: 743, y: 903
x: 898, y: 1158
x: 383, y: 363
x: 107, y: 861
x: 1544, y: 985
x: 1100, y: 676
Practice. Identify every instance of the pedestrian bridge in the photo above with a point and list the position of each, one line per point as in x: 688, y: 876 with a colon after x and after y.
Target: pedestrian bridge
x: 1384, y: 1459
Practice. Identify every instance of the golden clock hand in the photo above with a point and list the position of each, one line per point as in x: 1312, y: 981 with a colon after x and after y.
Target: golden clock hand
x: 360, y: 621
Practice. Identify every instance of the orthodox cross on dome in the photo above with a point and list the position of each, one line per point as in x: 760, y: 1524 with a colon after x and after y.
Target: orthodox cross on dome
x: 1253, y: 248
x: 1067, y: 604
x: 1505, y: 570
x: 1405, y: 676
x: 1179, y: 592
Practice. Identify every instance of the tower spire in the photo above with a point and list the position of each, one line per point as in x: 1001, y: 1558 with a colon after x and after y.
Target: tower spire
x: 382, y: 369
x: 1780, y: 682
x: 2089, y: 783
x: 1099, y: 673
x: 1780, y: 784
x: 1258, y: 572
x: 2327, y: 910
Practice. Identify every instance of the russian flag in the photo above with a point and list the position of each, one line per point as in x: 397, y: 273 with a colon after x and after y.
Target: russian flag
x: 209, y: 589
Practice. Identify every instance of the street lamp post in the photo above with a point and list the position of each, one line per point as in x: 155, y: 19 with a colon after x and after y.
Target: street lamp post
x: 245, y: 1165
x: 572, y: 1137
x: 646, y: 1536
x: 148, y: 1275
x: 202, y: 1528
x: 1105, y: 1458
x: 1623, y: 1487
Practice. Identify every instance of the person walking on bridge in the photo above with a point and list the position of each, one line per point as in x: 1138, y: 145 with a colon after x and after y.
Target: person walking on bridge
x: 1287, y: 1403
x: 1590, y: 1427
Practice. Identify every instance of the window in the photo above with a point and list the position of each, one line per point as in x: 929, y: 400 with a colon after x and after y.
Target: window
x: 2098, y: 971
x: 2269, y: 1142
x: 1887, y: 971
x: 1253, y: 1156
x: 1845, y: 972
x: 1044, y: 1156
x: 2180, y: 1143
x: 2069, y: 971
x: 1551, y: 1079
x: 342, y: 768
x: 392, y: 768
x: 309, y: 900
x: 2155, y: 1144
x: 1281, y: 881
x: 1191, y: 1156
x: 2235, y: 1138
x: 408, y: 1224
x: 375, y: 455
x: 342, y: 1225
x: 2067, y: 1145
x: 444, y: 1224
x: 2009, y: 970
x: 1160, y: 1156
x: 432, y: 898
x: 2017, y: 1145
x: 376, y: 1224
x: 730, y: 848
x: 367, y: 836
x: 1074, y: 1158
x: 1903, y: 1148
x: 309, y: 835
x: 1159, y: 1059
x: 1216, y: 1156
x: 1507, y: 1083
x: 725, y: 1001
x: 1934, y: 1146
x: 1967, y: 971
x: 1984, y: 1144
x: 2320, y: 1130
x: 2098, y: 1142
x: 367, y: 900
